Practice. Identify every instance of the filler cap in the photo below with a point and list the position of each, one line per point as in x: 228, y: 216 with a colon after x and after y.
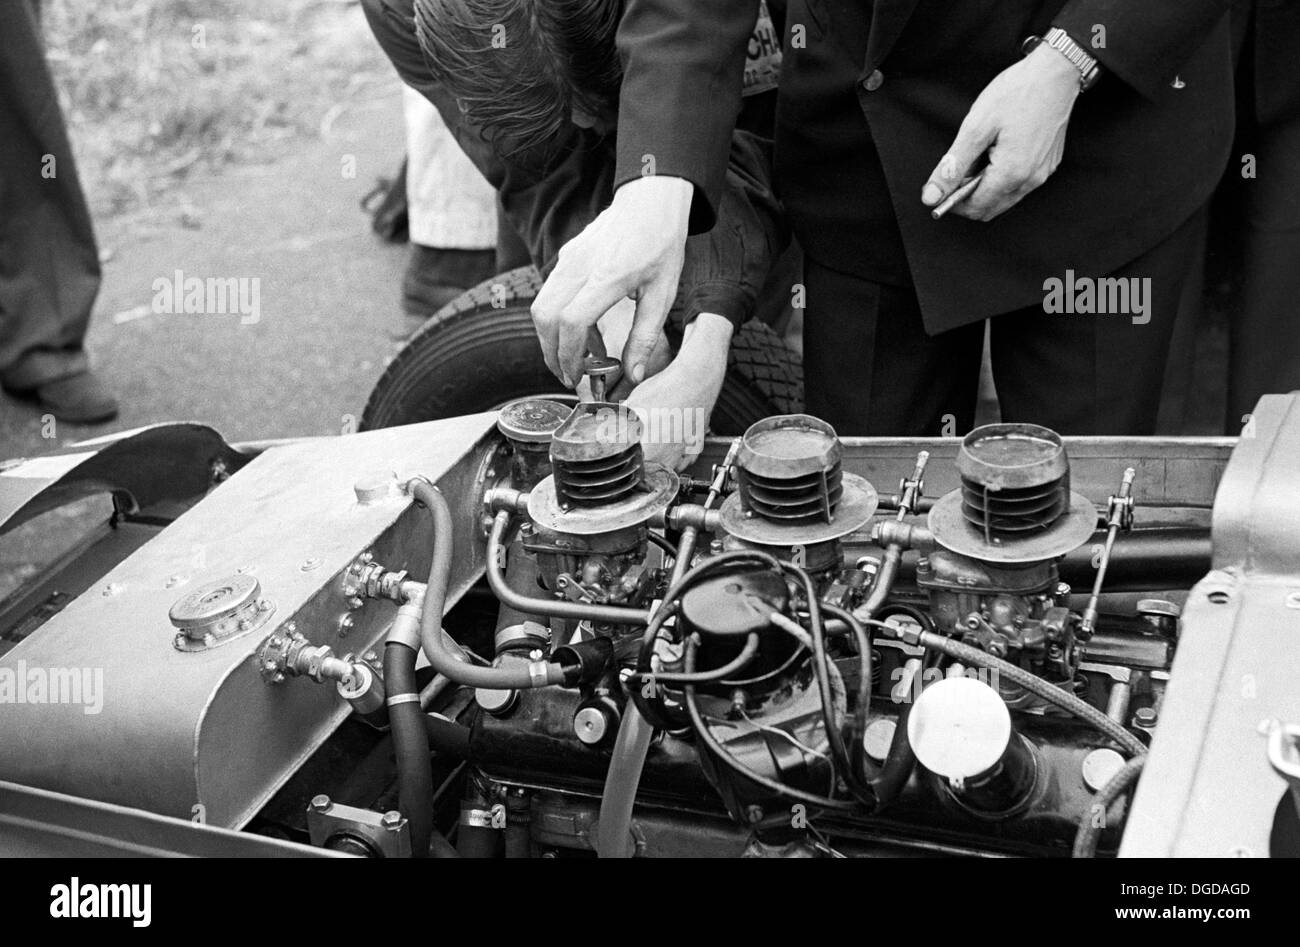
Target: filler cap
x: 959, y: 728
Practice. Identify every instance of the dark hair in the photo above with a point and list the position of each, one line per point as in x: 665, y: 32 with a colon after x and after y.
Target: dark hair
x: 519, y: 68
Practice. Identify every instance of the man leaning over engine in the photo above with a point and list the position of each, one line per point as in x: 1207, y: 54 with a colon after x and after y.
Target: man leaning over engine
x: 531, y: 89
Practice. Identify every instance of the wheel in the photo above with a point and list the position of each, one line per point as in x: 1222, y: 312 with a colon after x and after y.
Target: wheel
x: 474, y: 356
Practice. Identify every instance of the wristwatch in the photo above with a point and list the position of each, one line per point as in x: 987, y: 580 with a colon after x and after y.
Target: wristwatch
x: 1059, y: 40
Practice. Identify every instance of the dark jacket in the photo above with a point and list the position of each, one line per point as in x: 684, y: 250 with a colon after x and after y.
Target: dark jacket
x: 550, y: 198
x: 1275, y: 48
x: 1141, y: 156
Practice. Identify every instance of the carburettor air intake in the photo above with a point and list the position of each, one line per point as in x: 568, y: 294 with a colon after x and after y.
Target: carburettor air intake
x: 791, y: 488
x: 596, y: 456
x: 789, y: 473
x: 1015, y: 504
x: 600, y: 481
x: 1015, y: 480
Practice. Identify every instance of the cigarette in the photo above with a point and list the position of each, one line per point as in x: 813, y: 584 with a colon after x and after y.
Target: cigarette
x: 957, y: 196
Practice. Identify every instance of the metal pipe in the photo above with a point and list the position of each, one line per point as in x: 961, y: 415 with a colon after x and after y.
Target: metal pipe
x: 532, y: 674
x: 691, y: 534
x: 1117, y: 701
x: 572, y: 611
x: 1032, y: 682
x: 1120, y: 517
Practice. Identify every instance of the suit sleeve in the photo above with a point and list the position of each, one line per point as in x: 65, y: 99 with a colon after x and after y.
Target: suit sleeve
x: 1146, y: 41
x: 683, y: 69
x: 547, y: 199
x: 726, y: 268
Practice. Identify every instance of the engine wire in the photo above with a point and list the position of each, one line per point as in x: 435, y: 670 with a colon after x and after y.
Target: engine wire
x: 724, y: 756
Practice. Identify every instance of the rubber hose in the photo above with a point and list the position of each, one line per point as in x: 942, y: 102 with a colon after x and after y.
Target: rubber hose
x: 411, y: 743
x: 435, y: 598
x: 1032, y: 682
x: 887, y: 781
x: 447, y: 736
x: 616, y: 802
x: 1089, y: 834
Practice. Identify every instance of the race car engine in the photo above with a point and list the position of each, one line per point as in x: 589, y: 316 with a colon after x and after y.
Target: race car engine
x: 544, y: 644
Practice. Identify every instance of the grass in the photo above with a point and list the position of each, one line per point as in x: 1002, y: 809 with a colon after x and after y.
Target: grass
x: 157, y: 90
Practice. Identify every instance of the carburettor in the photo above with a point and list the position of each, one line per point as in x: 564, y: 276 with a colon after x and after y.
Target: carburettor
x: 993, y: 579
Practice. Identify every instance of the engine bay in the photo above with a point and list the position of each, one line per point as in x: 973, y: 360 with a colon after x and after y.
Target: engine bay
x: 511, y: 635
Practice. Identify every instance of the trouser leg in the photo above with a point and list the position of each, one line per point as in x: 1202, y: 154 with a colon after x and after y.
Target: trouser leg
x: 449, y: 203
x: 1265, y: 333
x: 869, y: 367
x: 49, y: 264
x: 1097, y: 373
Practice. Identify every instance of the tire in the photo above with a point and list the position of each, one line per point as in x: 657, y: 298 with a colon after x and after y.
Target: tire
x: 472, y: 356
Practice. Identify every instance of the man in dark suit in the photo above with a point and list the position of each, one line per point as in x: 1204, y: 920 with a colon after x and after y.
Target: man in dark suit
x: 886, y: 109
x: 1260, y: 223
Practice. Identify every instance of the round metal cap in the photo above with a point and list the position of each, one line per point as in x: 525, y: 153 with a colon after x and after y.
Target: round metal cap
x: 219, y: 611
x: 878, y: 737
x: 1099, y: 766
x: 1012, y: 456
x: 375, y: 487
x: 959, y: 728
x: 738, y: 604
x: 590, y: 725
x: 532, y: 420
x: 209, y: 605
x: 1158, y: 607
x: 495, y: 702
x: 600, y: 366
x: 789, y: 445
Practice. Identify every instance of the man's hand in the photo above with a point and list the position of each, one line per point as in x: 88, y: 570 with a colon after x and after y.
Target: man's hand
x: 675, y: 404
x: 634, y: 249
x: 1019, y: 121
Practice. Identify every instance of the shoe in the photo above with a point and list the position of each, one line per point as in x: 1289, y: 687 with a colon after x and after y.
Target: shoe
x: 77, y: 399
x: 434, y: 277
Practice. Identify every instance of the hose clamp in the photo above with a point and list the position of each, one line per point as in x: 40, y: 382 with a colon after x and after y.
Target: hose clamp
x: 396, y: 699
x: 538, y: 673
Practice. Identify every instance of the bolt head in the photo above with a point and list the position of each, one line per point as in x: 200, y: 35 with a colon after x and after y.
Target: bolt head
x: 392, y: 820
x: 590, y: 725
x: 321, y: 803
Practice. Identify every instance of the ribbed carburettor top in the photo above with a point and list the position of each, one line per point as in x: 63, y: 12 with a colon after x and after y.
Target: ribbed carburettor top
x: 1015, y: 480
x: 596, y: 456
x: 788, y: 470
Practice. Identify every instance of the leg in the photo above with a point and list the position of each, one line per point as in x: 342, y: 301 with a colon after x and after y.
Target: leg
x: 1265, y: 333
x: 1097, y: 373
x: 49, y: 264
x: 869, y: 367
x: 452, y: 211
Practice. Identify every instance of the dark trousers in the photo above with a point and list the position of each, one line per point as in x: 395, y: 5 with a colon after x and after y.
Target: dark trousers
x: 870, y: 368
x: 49, y: 265
x: 1265, y: 332
x: 1261, y: 218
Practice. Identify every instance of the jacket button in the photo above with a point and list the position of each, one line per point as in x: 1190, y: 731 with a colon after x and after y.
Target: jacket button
x: 874, y: 81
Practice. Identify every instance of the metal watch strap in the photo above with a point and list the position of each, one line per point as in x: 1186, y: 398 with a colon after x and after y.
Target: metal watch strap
x: 1080, y: 58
